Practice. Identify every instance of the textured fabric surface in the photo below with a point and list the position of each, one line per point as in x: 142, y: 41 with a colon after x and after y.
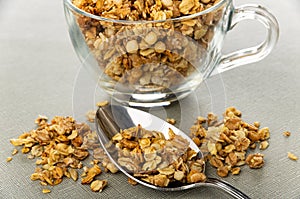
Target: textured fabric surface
x: 41, y: 74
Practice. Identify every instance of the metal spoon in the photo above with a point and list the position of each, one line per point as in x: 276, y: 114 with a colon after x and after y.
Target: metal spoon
x: 111, y: 118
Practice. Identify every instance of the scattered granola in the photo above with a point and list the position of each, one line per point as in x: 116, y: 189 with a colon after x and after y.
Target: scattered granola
x: 226, y: 144
x: 149, y: 156
x: 58, y: 147
x: 62, y: 144
x: 292, y: 156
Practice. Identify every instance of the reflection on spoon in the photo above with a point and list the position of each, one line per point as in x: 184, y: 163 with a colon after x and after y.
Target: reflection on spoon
x: 112, y: 118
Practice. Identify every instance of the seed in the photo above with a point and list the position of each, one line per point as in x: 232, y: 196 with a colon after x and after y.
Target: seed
x: 151, y: 38
x: 132, y: 46
x: 160, y: 47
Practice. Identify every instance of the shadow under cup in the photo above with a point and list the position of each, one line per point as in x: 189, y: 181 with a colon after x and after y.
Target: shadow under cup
x: 150, y: 63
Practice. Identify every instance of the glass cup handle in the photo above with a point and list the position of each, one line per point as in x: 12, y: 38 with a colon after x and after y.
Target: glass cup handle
x: 256, y: 53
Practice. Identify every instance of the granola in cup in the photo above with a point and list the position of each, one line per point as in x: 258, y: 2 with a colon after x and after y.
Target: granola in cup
x: 149, y: 53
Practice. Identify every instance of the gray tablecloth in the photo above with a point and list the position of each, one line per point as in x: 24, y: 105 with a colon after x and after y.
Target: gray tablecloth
x: 41, y: 74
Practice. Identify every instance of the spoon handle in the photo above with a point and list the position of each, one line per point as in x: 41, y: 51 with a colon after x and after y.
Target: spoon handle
x: 227, y: 188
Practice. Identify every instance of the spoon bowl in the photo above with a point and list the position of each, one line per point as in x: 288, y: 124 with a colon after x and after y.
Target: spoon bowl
x: 111, y: 119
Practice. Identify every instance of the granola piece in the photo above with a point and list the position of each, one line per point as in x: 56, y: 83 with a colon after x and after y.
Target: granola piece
x: 263, y: 145
x: 256, y: 124
x: 292, y: 156
x: 41, y: 120
x: 90, y: 115
x: 8, y: 159
x: 222, y: 171
x: 91, y: 173
x: 43, y: 183
x: 255, y: 161
x: 195, y: 176
x: 73, y: 174
x: 98, y: 185
x: 46, y: 191
x: 73, y: 135
x: 171, y: 121
x: 102, y: 103
x: 14, y: 152
x: 235, y: 170
x: 132, y: 182
x: 185, y: 6
x: 287, y: 133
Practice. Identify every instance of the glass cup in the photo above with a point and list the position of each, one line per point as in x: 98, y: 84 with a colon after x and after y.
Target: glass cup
x: 153, y: 63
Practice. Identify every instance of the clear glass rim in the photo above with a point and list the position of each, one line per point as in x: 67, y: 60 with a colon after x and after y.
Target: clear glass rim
x: 71, y: 6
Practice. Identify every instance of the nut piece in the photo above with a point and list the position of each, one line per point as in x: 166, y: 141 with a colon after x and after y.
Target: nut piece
x: 222, y: 171
x: 73, y: 174
x: 286, y: 133
x: 292, y: 156
x: 263, y: 145
x: 235, y: 170
x: 46, y: 191
x: 255, y: 161
x: 151, y: 38
x: 8, y: 159
x: 98, y: 185
x: 132, y: 46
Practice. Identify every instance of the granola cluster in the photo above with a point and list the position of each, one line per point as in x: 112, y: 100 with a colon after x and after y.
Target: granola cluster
x: 226, y: 143
x: 154, y: 55
x: 149, y: 156
x: 60, y: 147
